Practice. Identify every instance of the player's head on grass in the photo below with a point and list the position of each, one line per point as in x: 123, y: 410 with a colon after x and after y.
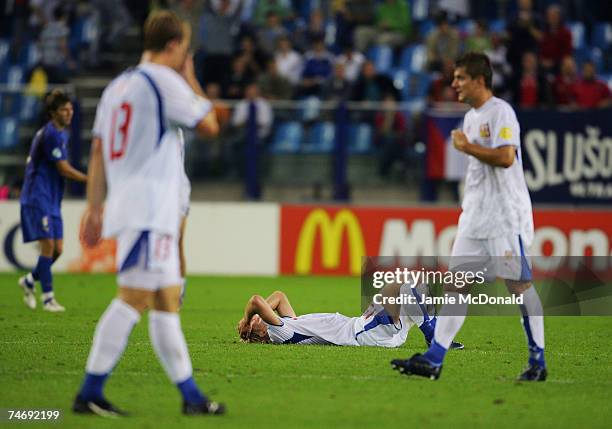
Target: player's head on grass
x: 59, y: 108
x: 258, y: 331
x: 472, y: 78
x: 167, y: 38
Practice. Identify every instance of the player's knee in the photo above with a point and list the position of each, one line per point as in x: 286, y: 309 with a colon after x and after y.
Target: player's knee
x: 279, y: 293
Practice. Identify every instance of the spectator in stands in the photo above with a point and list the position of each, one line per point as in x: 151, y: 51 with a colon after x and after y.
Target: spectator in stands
x: 264, y: 114
x: 304, y: 36
x: 390, y: 135
x: 479, y: 41
x: 531, y: 89
x: 255, y: 58
x: 353, y: 62
x: 282, y: 8
x: 392, y: 26
x: 499, y: 64
x: 564, y: 86
x: 268, y: 34
x: 41, y: 12
x: 272, y: 85
x: 288, y: 62
x: 337, y: 88
x: 442, y: 43
x: 112, y: 19
x: 372, y: 86
x: 555, y: 41
x: 240, y: 76
x: 439, y: 88
x: 590, y: 92
x: 217, y: 37
x: 522, y: 31
x: 317, y: 68
x: 53, y: 43
x: 349, y: 15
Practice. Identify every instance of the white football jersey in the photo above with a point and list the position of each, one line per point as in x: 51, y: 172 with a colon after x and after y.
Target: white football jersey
x: 373, y: 328
x: 496, y: 200
x: 138, y: 120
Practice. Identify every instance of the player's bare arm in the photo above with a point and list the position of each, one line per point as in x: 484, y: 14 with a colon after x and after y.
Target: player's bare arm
x: 257, y: 305
x: 280, y: 303
x: 69, y: 172
x: 96, y: 193
x: 208, y: 126
x: 497, y: 157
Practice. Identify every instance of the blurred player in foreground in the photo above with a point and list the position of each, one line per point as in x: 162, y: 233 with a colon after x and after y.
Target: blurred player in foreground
x: 136, y: 163
x: 41, y: 198
x: 273, y: 320
x: 496, y: 223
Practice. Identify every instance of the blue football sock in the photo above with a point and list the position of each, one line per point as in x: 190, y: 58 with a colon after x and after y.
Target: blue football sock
x: 43, y: 269
x: 536, y: 354
x: 190, y: 391
x: 435, y: 354
x: 428, y: 328
x: 92, y: 387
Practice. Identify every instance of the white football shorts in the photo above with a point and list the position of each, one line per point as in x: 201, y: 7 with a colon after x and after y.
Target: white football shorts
x: 506, y: 257
x: 147, y: 260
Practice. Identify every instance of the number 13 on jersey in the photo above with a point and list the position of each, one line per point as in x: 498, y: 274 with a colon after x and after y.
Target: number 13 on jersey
x: 120, y: 124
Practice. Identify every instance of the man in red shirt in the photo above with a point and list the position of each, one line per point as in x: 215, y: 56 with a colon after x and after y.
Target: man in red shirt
x: 590, y: 92
x: 555, y: 41
x: 564, y: 86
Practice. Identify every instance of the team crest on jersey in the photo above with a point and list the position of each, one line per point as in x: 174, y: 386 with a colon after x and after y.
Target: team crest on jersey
x: 485, y: 133
x: 45, y: 223
x: 57, y: 153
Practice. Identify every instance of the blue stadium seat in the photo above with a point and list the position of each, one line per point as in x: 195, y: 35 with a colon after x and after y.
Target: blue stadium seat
x: 578, y: 38
x: 29, y: 55
x: 310, y: 108
x: 497, y: 26
x: 413, y: 58
x: 416, y: 87
x: 466, y: 27
x: 9, y: 133
x: 4, y: 51
x: 602, y: 35
x: 320, y: 138
x: 360, y: 138
x: 287, y: 138
x: 425, y: 27
x: 12, y: 77
x: 586, y: 53
x: 382, y: 57
x: 29, y: 108
x: 400, y: 77
x: 10, y: 103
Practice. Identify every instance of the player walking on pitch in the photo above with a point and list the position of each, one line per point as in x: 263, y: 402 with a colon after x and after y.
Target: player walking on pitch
x: 496, y: 222
x: 136, y: 162
x: 41, y: 198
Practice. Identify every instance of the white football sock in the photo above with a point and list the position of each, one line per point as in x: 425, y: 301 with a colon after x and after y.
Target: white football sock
x: 532, y: 307
x: 169, y: 344
x: 450, y: 320
x: 111, y: 337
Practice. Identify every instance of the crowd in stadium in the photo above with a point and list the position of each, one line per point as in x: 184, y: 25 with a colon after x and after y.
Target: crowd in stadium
x: 360, y: 50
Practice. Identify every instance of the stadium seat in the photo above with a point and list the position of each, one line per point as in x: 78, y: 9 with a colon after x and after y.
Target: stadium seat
x: 382, y: 57
x: 586, y: 53
x: 28, y: 108
x: 320, y: 138
x: 400, y: 77
x: 29, y: 55
x: 360, y: 138
x: 287, y: 138
x: 4, y: 51
x: 310, y: 108
x: 413, y: 58
x: 497, y: 26
x: 9, y: 135
x: 425, y: 27
x: 13, y: 77
x: 417, y: 85
x: 466, y: 27
x: 577, y: 30
x: 602, y: 35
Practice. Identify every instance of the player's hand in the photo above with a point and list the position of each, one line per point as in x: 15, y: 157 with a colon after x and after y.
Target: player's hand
x: 460, y: 140
x: 188, y: 69
x: 91, y: 228
x: 243, y: 328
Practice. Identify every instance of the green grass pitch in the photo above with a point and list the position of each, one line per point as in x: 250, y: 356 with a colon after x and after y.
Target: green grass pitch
x: 42, y: 358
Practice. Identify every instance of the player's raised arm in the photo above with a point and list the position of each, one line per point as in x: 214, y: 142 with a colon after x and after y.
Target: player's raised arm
x: 208, y: 126
x: 502, y: 156
x: 280, y: 303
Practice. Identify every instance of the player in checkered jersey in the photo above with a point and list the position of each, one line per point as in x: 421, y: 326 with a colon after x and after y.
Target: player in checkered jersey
x: 41, y: 198
x: 496, y: 224
x: 136, y: 165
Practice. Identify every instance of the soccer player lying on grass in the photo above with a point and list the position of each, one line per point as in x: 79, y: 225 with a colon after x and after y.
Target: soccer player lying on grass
x: 273, y: 320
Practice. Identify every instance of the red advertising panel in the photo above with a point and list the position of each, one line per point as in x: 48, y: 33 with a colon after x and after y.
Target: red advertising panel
x: 331, y: 240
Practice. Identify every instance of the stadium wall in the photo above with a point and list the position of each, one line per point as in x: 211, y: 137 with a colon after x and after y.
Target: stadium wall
x: 272, y: 239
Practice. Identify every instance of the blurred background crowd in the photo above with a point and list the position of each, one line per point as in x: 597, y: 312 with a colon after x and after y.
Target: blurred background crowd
x: 295, y: 62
